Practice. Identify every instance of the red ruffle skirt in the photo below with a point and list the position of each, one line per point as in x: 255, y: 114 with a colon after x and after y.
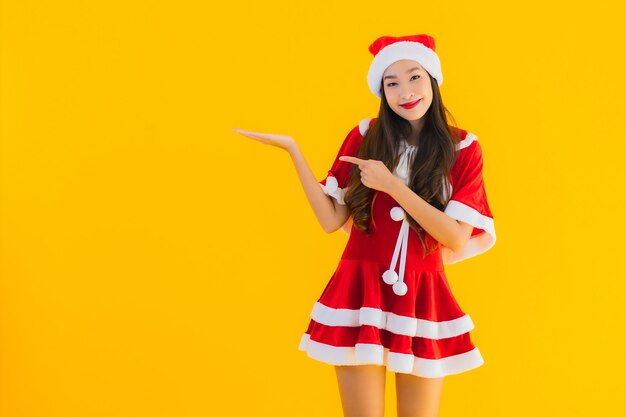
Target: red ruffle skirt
x: 359, y: 319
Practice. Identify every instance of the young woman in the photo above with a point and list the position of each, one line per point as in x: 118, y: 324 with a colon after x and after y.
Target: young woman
x: 408, y: 188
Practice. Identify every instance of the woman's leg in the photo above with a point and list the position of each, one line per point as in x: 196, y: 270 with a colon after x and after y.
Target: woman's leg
x: 417, y: 396
x: 362, y: 390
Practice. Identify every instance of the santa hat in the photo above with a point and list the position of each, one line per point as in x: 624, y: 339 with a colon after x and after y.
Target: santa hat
x: 389, y: 49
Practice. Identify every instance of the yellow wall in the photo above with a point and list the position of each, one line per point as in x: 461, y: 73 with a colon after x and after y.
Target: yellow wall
x: 156, y: 263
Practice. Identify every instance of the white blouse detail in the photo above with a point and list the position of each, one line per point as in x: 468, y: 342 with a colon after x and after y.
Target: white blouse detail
x: 406, y: 160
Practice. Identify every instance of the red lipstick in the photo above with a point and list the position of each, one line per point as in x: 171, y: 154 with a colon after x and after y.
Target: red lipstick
x: 411, y: 104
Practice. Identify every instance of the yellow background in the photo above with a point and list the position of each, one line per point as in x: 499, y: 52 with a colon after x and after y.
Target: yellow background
x: 156, y: 263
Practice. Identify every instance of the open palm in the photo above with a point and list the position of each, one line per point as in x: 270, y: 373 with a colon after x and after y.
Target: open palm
x: 280, y: 141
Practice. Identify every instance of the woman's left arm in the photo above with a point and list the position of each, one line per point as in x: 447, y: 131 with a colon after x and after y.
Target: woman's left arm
x: 449, y: 232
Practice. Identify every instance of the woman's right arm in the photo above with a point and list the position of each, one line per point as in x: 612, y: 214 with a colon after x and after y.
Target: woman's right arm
x: 330, y: 214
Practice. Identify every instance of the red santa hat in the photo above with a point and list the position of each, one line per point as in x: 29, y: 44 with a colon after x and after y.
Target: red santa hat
x: 389, y: 49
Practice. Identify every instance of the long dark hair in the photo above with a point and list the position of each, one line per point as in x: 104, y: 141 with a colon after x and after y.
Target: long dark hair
x: 431, y: 165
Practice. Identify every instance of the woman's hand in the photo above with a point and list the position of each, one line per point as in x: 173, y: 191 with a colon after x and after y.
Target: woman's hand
x: 280, y: 141
x: 374, y: 174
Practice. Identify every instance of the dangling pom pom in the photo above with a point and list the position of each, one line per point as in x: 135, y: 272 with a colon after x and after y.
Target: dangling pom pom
x: 390, y: 277
x: 400, y: 288
x: 397, y: 213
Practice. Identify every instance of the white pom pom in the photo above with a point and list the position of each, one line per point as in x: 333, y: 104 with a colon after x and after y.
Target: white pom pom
x: 390, y: 276
x: 397, y: 213
x: 331, y: 184
x: 400, y: 288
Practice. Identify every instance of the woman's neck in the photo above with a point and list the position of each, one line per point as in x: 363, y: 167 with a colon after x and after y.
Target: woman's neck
x: 413, y: 141
x: 416, y: 129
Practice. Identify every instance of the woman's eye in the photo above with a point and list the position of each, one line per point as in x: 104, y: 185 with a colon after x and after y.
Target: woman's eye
x: 390, y: 84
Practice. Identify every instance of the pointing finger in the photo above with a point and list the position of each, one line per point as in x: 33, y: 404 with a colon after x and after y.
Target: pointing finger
x: 351, y: 159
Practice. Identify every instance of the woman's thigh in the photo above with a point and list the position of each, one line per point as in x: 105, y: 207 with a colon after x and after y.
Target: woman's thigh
x: 417, y: 396
x: 362, y: 390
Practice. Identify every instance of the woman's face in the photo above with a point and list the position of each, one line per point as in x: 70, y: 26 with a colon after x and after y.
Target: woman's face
x: 405, y: 81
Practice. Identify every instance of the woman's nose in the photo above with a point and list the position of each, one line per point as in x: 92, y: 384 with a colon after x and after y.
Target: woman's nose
x: 407, y: 95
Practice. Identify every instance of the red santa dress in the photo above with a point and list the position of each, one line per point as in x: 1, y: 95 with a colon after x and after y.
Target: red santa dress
x: 360, y: 318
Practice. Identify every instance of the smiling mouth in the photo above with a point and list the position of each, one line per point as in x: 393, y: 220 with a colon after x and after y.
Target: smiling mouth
x: 411, y: 104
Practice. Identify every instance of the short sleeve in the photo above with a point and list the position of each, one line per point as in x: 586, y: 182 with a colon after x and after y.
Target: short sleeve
x: 338, y: 177
x: 468, y: 201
